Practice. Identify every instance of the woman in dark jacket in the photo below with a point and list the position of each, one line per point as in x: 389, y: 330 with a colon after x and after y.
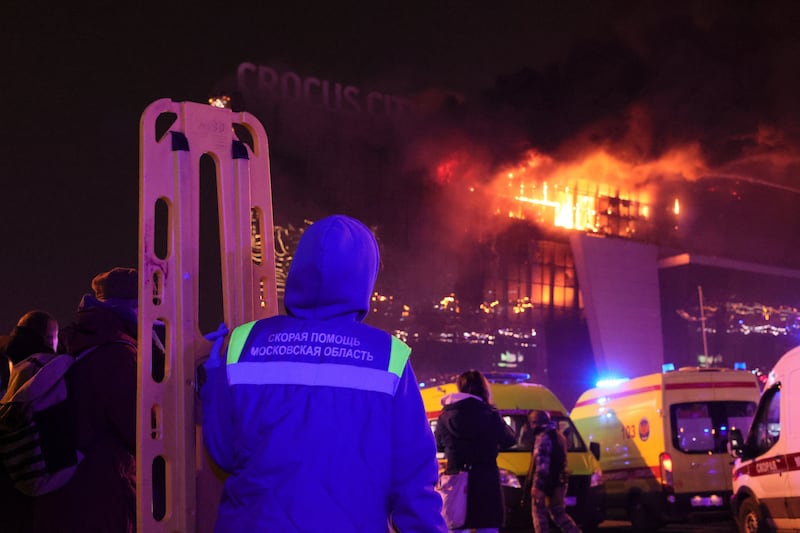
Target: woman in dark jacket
x: 470, y: 431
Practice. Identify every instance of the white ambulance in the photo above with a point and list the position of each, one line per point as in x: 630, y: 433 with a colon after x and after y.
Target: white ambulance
x: 663, y: 440
x: 766, y: 472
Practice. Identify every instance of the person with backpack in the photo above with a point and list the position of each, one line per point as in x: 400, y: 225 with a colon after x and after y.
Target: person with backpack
x: 36, y: 332
x: 101, y: 390
x: 547, y: 476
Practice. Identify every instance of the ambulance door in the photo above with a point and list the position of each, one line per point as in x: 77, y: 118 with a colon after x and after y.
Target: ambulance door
x: 791, y: 433
x: 766, y: 475
x: 701, y: 464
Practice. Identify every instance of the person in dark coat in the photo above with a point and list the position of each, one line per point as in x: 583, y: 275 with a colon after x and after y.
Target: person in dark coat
x: 547, y: 476
x: 471, y: 432
x: 101, y: 391
x: 36, y: 332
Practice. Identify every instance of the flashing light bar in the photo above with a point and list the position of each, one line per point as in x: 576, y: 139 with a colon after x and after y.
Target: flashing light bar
x: 610, y: 382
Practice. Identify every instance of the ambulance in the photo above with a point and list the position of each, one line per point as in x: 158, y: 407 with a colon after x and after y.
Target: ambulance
x: 766, y: 470
x: 514, y: 398
x: 663, y: 440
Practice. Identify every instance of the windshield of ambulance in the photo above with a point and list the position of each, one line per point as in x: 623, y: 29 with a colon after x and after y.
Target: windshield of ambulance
x: 525, y: 433
x: 703, y: 427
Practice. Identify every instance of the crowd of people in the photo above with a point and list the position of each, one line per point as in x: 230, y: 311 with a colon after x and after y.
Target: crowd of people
x: 328, y: 373
x: 101, y: 495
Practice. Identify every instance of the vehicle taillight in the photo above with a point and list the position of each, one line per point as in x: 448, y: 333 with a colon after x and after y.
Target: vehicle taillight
x: 665, y: 464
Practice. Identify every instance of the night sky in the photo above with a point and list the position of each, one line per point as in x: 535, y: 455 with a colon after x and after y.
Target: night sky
x: 723, y: 75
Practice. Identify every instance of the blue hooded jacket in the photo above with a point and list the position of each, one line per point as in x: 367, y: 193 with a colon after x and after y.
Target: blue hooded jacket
x: 317, y: 417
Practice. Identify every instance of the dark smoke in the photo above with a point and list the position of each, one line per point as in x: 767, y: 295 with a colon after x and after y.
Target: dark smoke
x: 724, y: 81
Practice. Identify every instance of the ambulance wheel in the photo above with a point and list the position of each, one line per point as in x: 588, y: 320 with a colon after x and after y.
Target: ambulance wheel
x: 750, y: 519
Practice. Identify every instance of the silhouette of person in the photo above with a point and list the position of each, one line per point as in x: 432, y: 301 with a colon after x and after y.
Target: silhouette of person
x: 101, y: 394
x: 36, y: 332
x: 547, y: 476
x: 471, y: 432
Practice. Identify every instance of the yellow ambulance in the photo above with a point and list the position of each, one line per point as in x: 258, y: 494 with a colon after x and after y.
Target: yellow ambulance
x: 514, y: 398
x: 663, y: 440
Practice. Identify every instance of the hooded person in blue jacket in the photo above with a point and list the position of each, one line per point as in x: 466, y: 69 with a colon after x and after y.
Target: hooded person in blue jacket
x: 316, y: 416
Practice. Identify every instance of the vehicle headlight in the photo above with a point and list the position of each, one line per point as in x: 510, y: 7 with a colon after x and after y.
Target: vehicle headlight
x: 596, y: 479
x: 508, y: 479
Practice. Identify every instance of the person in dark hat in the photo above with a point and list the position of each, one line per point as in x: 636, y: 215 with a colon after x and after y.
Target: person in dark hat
x: 118, y: 289
x: 101, y: 391
x: 547, y: 475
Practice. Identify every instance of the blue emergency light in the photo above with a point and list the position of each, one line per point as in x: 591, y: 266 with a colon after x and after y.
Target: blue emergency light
x: 610, y: 382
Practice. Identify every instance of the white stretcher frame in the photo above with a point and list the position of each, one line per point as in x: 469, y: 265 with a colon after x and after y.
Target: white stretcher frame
x: 168, y: 411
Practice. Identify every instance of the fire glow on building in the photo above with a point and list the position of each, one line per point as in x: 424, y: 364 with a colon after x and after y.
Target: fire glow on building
x: 518, y: 215
x: 598, y: 193
x: 528, y: 276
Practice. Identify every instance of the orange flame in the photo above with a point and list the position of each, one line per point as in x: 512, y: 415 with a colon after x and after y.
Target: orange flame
x: 581, y: 193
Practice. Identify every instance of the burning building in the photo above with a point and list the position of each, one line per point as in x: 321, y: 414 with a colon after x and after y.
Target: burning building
x: 498, y: 255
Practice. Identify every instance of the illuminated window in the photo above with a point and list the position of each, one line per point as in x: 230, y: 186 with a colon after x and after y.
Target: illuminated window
x: 552, y: 275
x: 702, y: 427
